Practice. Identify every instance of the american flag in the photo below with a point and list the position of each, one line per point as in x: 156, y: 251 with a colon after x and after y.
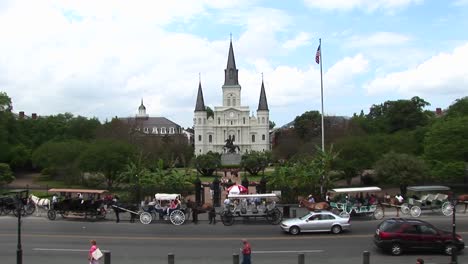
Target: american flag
x: 317, y: 55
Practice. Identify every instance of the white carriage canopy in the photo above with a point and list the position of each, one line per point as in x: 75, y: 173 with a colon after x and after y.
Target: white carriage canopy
x: 356, y: 189
x: 428, y: 188
x: 261, y: 195
x: 166, y: 196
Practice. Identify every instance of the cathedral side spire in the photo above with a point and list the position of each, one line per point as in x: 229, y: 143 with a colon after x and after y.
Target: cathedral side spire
x: 230, y: 73
x: 200, y: 105
x: 262, y: 103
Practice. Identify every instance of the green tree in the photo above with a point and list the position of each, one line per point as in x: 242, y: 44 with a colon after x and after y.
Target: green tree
x: 356, y: 155
x: 271, y: 124
x: 108, y: 157
x: 459, y: 108
x: 400, y: 169
x: 5, y: 102
x: 308, y: 124
x: 6, y: 175
x: 255, y: 161
x: 20, y: 156
x: 206, y: 164
x: 393, y: 116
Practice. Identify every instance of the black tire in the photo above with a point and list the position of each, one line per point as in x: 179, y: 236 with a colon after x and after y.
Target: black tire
x: 51, y: 214
x: 30, y: 209
x: 294, y: 230
x: 227, y: 218
x: 396, y: 249
x: 336, y: 229
x: 274, y: 217
x: 23, y: 212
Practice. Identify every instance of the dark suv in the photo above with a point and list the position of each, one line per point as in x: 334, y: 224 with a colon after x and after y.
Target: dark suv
x: 399, y: 234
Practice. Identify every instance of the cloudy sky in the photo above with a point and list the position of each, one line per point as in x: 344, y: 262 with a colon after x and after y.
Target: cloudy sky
x: 99, y: 58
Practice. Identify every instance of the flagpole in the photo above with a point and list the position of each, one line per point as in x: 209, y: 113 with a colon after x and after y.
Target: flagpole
x: 323, y: 127
x: 321, y: 95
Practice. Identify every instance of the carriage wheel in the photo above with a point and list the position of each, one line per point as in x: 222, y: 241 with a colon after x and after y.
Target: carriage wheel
x: 51, y: 214
x: 30, y: 209
x: 145, y: 218
x: 415, y: 211
x: 23, y: 212
x: 177, y: 217
x: 274, y: 216
x: 227, y: 218
x: 344, y: 214
x: 405, y: 209
x: 378, y: 213
x: 447, y: 209
x: 6, y: 210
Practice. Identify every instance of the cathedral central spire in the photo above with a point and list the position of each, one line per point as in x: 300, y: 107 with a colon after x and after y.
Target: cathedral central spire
x: 230, y: 73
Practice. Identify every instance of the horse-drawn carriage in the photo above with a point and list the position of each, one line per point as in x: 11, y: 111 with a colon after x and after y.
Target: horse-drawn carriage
x: 432, y: 198
x: 349, y: 201
x: 88, y: 204
x: 10, y: 201
x: 251, y: 205
x: 167, y: 206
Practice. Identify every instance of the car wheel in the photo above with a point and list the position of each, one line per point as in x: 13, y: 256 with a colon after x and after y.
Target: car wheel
x: 336, y: 229
x: 449, y: 249
x: 294, y: 230
x: 396, y: 249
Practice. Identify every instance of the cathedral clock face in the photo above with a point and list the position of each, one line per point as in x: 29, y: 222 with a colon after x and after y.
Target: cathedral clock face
x: 231, y: 114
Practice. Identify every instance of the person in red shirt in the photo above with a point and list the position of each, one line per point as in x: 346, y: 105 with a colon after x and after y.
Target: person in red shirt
x: 246, y: 251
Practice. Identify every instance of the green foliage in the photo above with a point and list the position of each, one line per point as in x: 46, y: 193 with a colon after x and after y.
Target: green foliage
x: 255, y: 161
x: 447, y: 171
x: 271, y: 125
x: 447, y: 140
x: 5, y: 102
x: 308, y: 124
x: 207, y: 163
x: 6, y: 175
x: 459, y: 108
x: 20, y: 156
x: 393, y: 116
x: 401, y: 169
x: 108, y: 157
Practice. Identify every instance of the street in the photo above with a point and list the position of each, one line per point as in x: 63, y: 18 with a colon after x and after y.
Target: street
x: 67, y: 241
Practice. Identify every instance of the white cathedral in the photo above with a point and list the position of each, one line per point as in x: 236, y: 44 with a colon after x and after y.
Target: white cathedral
x: 231, y: 120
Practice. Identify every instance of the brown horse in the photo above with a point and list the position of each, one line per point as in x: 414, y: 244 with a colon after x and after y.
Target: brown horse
x: 313, y: 206
x: 463, y: 199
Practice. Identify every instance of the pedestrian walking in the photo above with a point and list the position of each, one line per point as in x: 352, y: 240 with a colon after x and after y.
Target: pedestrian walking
x: 246, y: 252
x: 195, y: 215
x: 212, y: 216
x: 115, y: 200
x: 94, y: 253
x: 419, y: 261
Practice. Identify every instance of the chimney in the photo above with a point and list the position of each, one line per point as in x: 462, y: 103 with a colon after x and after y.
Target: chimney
x: 21, y: 115
x: 34, y: 116
x: 438, y: 111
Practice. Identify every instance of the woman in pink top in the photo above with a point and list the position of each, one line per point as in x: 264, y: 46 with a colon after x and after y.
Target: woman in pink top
x: 90, y: 254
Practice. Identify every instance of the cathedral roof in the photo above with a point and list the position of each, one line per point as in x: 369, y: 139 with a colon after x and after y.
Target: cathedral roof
x: 200, y: 105
x: 262, y: 103
x: 142, y: 107
x: 230, y: 73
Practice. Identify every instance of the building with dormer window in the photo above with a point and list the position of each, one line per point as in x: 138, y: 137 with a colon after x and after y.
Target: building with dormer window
x: 231, y: 119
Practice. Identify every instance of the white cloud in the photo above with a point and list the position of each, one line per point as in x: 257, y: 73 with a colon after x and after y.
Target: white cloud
x: 443, y: 74
x: 460, y: 2
x: 378, y: 39
x: 303, y: 38
x: 368, y: 5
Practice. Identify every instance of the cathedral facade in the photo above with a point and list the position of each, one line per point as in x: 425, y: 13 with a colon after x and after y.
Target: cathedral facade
x: 231, y: 122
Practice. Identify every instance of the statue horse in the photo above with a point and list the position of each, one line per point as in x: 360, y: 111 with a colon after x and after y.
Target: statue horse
x: 463, y: 199
x: 313, y: 206
x: 231, y: 149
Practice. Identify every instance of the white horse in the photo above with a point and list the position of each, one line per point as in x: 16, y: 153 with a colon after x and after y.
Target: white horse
x: 40, y: 203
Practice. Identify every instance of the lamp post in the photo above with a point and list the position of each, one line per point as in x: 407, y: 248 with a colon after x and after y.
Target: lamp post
x: 454, y: 235
x: 19, y: 250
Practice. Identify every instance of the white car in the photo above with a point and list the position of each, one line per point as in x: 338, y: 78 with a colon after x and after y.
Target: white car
x: 316, y: 221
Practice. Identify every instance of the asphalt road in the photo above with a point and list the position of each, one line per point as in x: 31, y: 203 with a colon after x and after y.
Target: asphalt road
x: 67, y: 241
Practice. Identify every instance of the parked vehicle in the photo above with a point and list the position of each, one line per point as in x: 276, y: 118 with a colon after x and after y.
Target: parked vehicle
x: 397, y: 235
x: 316, y: 221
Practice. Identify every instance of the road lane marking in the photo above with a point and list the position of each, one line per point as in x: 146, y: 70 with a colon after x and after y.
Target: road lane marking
x: 60, y: 249
x: 286, y: 251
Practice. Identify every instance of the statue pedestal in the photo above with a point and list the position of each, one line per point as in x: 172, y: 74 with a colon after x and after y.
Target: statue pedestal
x: 231, y: 159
